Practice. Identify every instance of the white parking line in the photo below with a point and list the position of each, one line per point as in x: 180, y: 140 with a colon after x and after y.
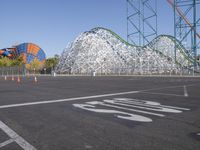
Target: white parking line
x: 15, y: 137
x: 85, y: 97
x: 154, y: 93
x: 185, y: 91
x: 6, y: 143
x: 65, y: 100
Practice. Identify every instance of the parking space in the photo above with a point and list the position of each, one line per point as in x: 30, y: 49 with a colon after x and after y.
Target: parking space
x: 125, y: 113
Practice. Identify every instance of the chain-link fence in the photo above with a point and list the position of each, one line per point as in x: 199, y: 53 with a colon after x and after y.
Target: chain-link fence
x: 23, y: 71
x: 13, y: 71
x: 132, y: 71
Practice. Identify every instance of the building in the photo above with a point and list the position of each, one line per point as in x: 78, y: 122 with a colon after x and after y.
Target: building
x: 28, y: 52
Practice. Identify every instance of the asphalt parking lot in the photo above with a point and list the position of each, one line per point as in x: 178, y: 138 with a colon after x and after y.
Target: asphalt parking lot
x: 100, y: 113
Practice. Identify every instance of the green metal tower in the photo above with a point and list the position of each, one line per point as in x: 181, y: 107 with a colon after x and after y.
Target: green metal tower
x: 141, y: 21
x: 187, y: 25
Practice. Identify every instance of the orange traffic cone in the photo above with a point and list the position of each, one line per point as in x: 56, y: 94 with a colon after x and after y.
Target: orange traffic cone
x: 35, y: 79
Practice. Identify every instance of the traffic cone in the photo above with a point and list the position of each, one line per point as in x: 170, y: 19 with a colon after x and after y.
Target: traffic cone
x: 35, y: 79
x: 18, y: 80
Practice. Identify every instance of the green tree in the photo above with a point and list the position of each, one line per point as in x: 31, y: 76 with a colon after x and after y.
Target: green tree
x: 7, y: 62
x: 51, y: 63
x: 17, y: 62
x: 35, y: 65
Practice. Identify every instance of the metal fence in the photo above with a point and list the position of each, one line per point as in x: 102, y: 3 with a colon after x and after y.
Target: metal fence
x: 23, y: 71
x: 132, y: 71
x: 13, y: 71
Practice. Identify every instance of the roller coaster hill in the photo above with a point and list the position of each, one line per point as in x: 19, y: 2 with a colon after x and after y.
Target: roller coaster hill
x: 28, y: 52
x: 104, y: 52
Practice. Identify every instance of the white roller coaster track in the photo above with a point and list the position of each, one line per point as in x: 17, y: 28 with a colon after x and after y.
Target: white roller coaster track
x: 102, y: 51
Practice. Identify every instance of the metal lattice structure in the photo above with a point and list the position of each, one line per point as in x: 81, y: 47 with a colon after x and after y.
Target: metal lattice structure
x: 141, y: 21
x: 102, y: 51
x: 187, y: 25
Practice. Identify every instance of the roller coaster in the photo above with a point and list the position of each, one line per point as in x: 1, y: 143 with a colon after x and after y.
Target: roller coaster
x: 102, y: 51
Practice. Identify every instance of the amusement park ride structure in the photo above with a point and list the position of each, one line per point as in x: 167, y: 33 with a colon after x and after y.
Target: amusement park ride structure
x: 102, y: 51
x: 142, y: 26
x: 28, y: 52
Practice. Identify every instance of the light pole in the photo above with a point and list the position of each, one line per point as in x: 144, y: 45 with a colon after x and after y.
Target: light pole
x: 45, y: 71
x: 34, y: 71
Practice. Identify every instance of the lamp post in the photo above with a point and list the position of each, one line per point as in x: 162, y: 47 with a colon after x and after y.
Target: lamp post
x: 45, y: 71
x: 34, y: 71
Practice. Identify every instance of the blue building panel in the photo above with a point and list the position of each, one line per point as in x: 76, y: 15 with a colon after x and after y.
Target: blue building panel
x: 22, y: 48
x: 41, y: 55
x: 28, y: 52
x: 29, y: 58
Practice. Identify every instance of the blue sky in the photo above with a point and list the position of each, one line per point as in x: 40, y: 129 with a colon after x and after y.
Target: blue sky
x: 52, y: 24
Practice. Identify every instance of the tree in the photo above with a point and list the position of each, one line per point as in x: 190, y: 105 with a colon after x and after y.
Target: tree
x: 51, y: 62
x: 18, y: 61
x: 35, y: 65
x: 7, y: 62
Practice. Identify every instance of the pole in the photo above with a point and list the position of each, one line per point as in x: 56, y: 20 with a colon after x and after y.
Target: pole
x: 175, y: 31
x: 195, y: 33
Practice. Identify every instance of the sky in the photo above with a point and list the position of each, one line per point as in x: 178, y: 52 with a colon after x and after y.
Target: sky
x: 52, y: 24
